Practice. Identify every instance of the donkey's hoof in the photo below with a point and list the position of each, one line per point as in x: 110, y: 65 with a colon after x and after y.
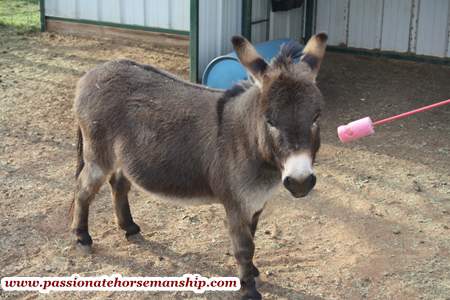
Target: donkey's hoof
x: 136, y: 238
x: 83, y: 249
x: 255, y: 271
x: 132, y: 229
x: 252, y: 294
x: 83, y: 237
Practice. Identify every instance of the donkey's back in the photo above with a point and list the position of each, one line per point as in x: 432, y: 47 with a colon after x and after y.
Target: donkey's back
x: 126, y: 88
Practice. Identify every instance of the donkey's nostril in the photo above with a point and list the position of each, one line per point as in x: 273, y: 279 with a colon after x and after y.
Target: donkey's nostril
x: 299, y: 188
x: 287, y: 182
x: 312, y: 181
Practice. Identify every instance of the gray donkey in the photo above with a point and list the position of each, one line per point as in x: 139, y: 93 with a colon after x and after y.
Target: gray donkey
x: 139, y: 125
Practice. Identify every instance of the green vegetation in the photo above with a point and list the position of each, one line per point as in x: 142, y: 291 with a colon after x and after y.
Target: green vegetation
x: 23, y: 15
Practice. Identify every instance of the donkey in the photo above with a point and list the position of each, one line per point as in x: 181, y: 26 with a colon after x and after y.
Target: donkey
x: 139, y: 125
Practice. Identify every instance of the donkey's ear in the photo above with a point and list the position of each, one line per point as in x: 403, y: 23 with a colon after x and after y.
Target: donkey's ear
x: 314, y: 52
x: 250, y: 58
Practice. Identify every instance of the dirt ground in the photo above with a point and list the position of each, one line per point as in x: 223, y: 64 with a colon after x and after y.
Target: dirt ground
x: 376, y: 226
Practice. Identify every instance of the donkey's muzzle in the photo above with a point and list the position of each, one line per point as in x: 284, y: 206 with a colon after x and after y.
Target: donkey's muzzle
x: 299, y: 188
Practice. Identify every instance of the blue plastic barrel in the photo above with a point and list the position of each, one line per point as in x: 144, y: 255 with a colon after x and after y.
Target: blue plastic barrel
x: 225, y: 71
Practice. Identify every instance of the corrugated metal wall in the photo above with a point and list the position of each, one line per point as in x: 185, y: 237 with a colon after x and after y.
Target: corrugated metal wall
x: 219, y: 20
x: 167, y: 14
x: 285, y: 24
x: 416, y: 26
x: 260, y: 12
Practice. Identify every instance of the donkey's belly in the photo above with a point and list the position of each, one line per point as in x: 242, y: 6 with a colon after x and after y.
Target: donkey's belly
x: 169, y: 180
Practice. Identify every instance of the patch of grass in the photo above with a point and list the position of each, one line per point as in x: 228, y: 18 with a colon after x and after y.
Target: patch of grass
x: 23, y: 15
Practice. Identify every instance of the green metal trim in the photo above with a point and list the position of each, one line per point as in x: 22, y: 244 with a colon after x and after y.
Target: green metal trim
x: 309, y: 21
x: 247, y: 19
x: 42, y: 15
x: 118, y: 25
x: 194, y: 40
x: 389, y: 54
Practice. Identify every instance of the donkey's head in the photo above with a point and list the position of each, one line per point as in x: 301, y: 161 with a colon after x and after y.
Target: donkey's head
x: 288, y: 108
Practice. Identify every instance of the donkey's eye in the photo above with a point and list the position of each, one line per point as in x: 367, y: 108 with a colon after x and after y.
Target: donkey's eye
x: 271, y: 122
x: 315, y: 122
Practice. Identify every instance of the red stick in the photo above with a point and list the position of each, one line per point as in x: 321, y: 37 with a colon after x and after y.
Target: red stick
x: 412, y: 112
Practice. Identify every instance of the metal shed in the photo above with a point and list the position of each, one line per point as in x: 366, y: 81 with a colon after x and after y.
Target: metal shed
x: 170, y: 16
x: 406, y: 29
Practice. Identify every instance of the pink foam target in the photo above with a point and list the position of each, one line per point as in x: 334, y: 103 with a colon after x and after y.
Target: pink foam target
x: 364, y: 127
x: 355, y: 130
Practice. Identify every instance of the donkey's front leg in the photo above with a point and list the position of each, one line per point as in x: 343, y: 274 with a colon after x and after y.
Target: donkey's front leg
x: 242, y: 239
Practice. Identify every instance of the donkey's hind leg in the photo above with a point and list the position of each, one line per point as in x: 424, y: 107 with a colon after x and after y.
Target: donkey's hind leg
x: 89, y: 182
x: 120, y: 186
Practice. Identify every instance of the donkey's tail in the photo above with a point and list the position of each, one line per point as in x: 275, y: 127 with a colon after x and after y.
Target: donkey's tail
x: 80, y: 160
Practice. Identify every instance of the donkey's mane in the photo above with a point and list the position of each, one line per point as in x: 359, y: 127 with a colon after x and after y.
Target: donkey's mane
x: 227, y: 95
x: 236, y: 90
x: 289, y: 51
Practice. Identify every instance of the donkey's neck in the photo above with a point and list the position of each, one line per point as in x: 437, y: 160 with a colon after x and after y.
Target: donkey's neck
x: 247, y: 124
x: 243, y: 112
